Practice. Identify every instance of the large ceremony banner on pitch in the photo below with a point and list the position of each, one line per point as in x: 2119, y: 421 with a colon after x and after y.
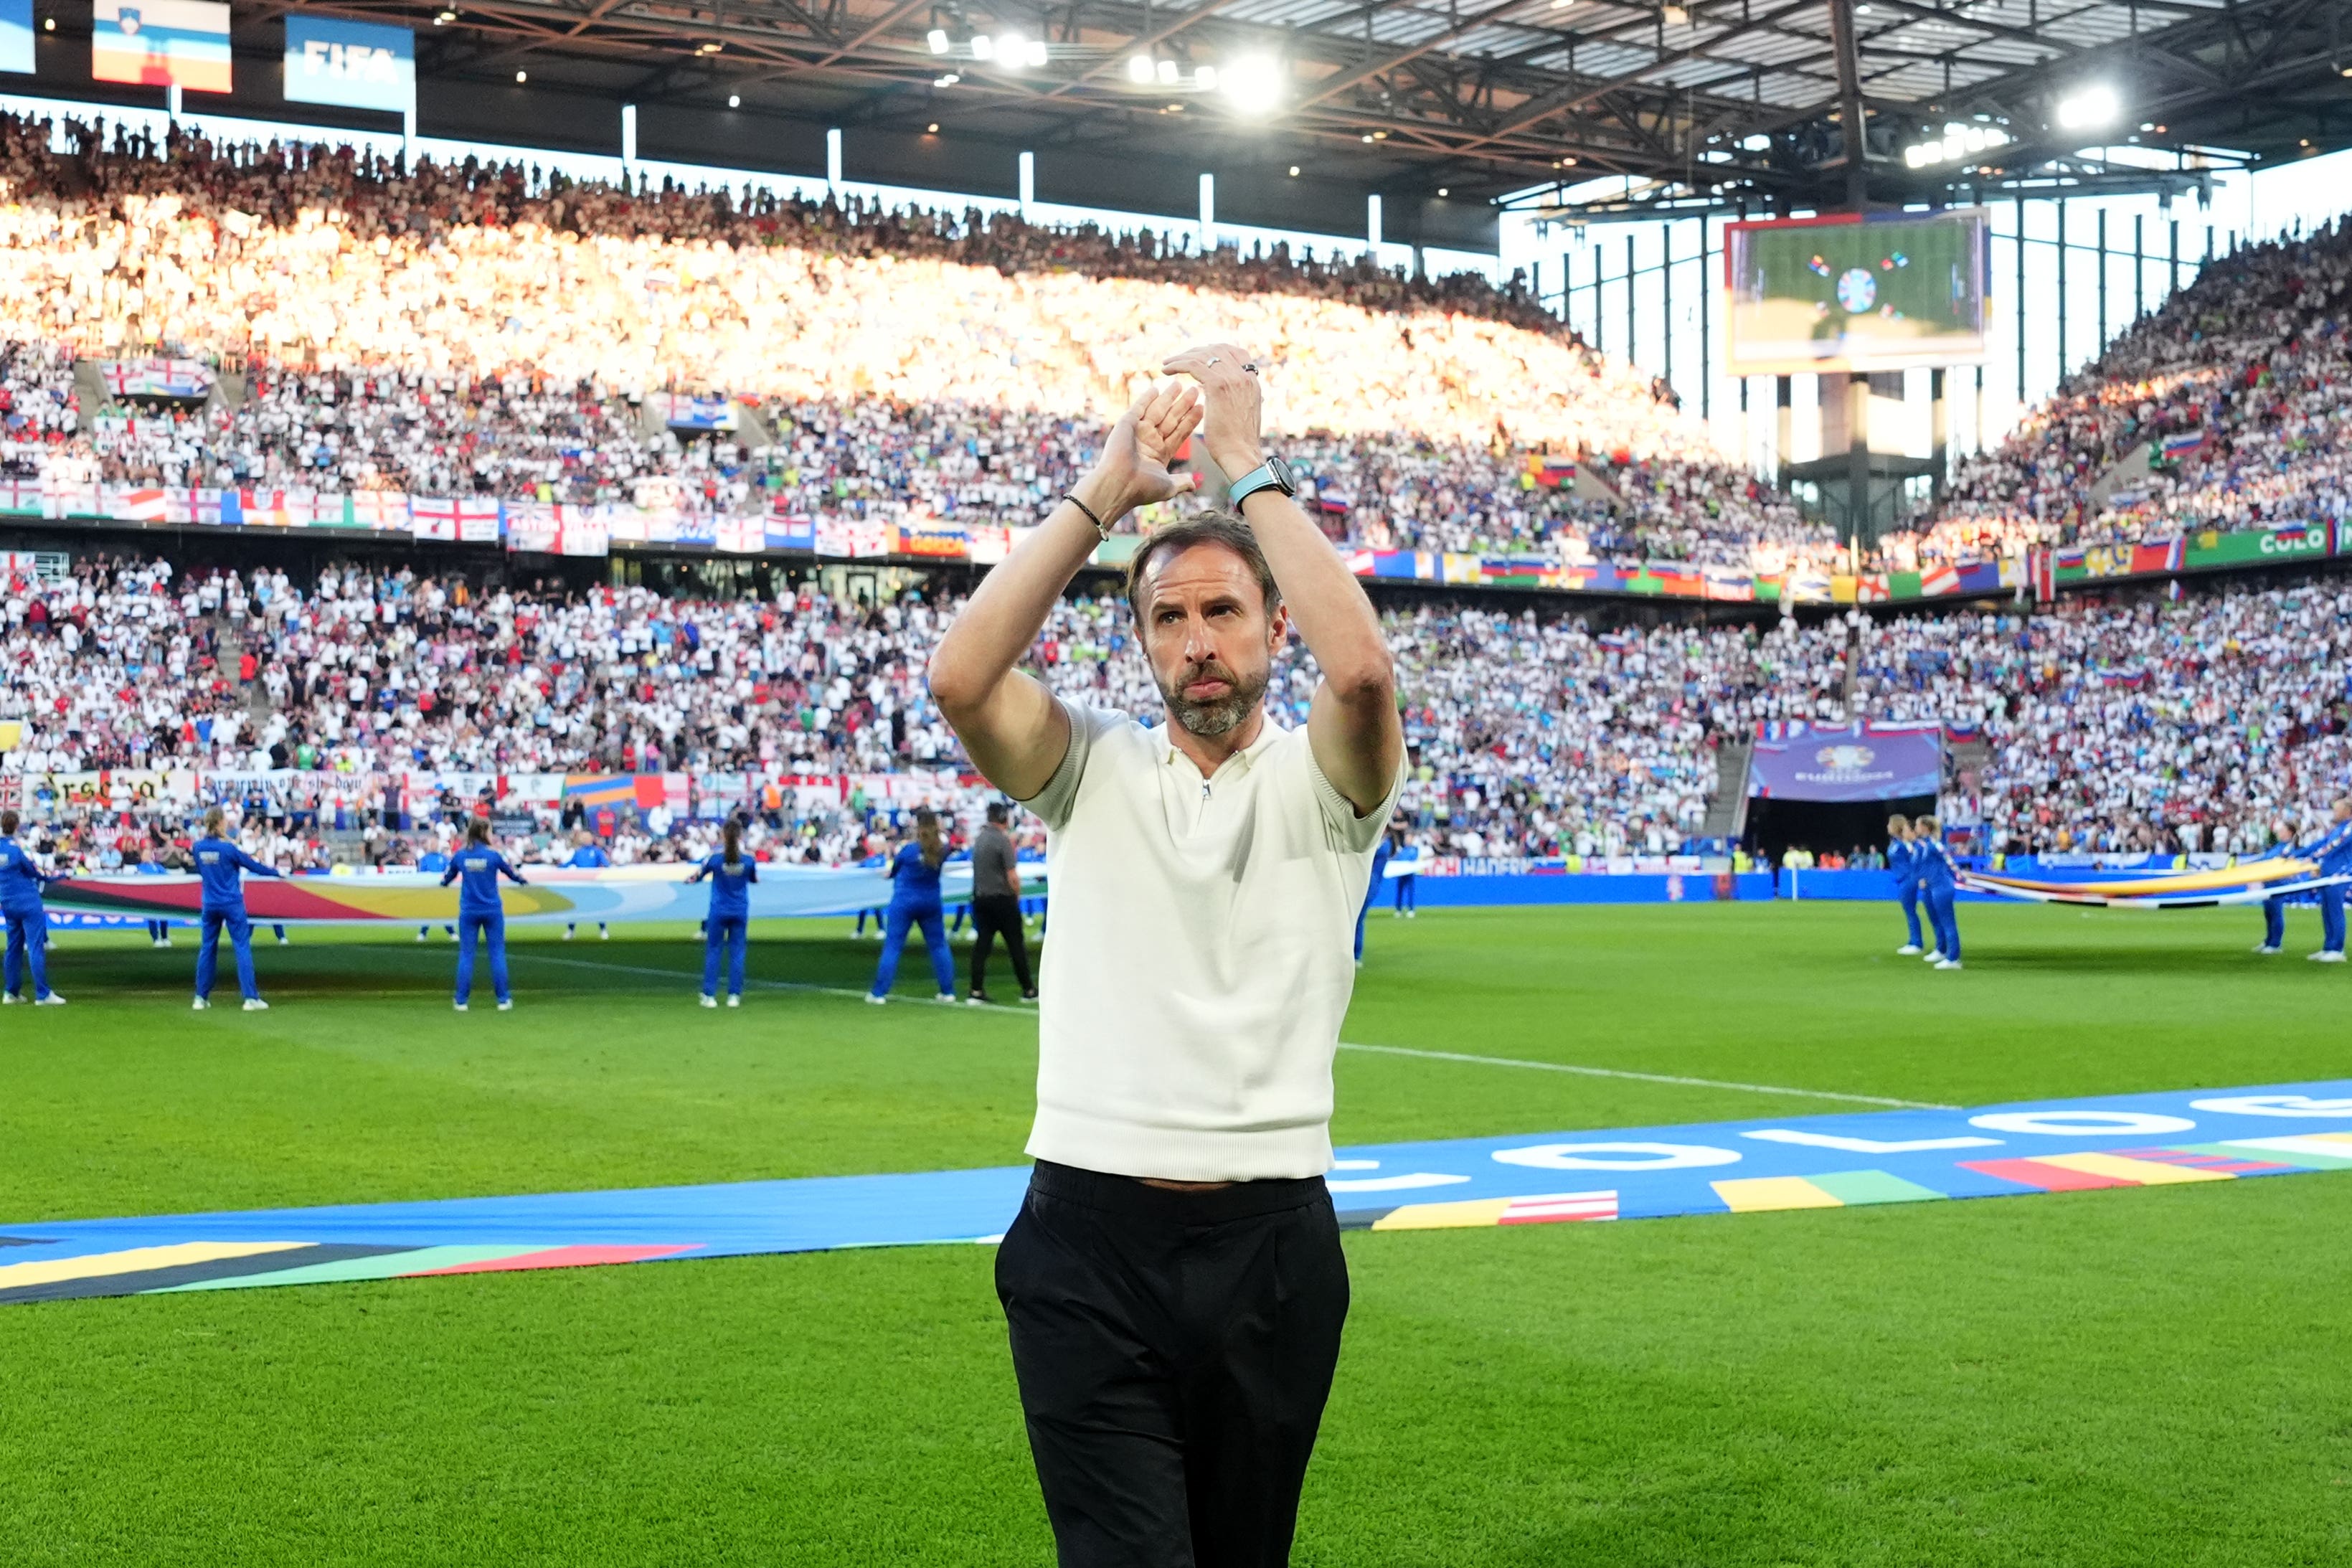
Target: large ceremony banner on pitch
x: 1756, y: 1166
x: 357, y: 65
x: 1846, y: 763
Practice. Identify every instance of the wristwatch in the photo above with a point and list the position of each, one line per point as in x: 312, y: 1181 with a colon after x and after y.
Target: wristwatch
x: 1273, y: 474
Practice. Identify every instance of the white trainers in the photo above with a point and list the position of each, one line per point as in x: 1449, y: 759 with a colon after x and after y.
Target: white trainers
x: 1947, y: 964
x: 507, y: 1006
x: 734, y: 1001
x: 947, y: 996
x: 604, y: 935
x: 2326, y: 955
x: 52, y: 1000
x: 460, y: 1006
x: 201, y: 1005
x: 1908, y: 949
x: 421, y: 933
x: 975, y: 1001
x: 569, y: 933
x: 1933, y: 957
x: 9, y: 999
x: 256, y: 1004
x: 2266, y: 950
x: 711, y: 1001
x: 875, y: 1000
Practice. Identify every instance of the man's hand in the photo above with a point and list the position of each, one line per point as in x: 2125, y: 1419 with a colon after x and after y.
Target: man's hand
x: 1228, y: 378
x: 1133, y: 469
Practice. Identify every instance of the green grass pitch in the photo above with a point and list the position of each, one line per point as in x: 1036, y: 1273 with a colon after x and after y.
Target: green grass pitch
x: 2133, y: 1378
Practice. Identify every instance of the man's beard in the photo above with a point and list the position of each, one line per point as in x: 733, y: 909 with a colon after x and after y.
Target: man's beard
x: 1219, y: 715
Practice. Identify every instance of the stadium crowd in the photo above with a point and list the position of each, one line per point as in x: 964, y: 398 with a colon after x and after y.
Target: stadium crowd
x: 2160, y: 726
x: 2244, y: 374
x: 494, y: 328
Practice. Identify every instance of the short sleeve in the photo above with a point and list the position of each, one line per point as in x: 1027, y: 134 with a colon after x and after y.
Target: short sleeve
x: 1054, y: 803
x: 1349, y: 831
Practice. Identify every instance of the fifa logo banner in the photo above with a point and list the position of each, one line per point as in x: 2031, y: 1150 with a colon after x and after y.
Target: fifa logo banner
x: 355, y: 64
x: 160, y: 43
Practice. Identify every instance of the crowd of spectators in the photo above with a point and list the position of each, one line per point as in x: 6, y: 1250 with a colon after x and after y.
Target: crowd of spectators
x: 2160, y: 726
x: 498, y: 328
x: 2247, y: 369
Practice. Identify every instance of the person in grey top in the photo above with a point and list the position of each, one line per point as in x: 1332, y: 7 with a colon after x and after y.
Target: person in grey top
x: 996, y: 907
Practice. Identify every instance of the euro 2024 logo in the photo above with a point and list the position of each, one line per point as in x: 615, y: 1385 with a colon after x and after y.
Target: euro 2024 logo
x: 1844, y: 759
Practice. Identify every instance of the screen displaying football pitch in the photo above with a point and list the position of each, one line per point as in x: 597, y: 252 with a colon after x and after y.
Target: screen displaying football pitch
x: 1858, y: 294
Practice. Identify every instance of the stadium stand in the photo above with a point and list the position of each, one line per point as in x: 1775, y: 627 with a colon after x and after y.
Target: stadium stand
x: 2175, y: 726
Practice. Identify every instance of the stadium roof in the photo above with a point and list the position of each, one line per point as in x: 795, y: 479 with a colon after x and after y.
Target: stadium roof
x: 1713, y: 101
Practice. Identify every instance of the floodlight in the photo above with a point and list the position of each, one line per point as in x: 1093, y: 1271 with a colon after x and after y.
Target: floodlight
x: 1138, y: 70
x: 982, y: 46
x: 937, y: 38
x: 1255, y: 84
x: 2088, y: 107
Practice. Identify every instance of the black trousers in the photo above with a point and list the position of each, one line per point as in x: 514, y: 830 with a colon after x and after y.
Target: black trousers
x: 995, y: 915
x: 1174, y: 1350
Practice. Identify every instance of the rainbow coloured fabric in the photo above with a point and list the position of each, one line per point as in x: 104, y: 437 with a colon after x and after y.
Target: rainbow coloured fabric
x: 614, y: 895
x: 1726, y: 1167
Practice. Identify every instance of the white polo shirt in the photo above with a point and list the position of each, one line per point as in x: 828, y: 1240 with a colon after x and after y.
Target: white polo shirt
x: 1202, y: 957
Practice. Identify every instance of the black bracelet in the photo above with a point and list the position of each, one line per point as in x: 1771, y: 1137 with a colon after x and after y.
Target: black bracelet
x: 1102, y: 529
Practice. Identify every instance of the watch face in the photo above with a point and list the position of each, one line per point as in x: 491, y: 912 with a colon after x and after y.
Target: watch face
x: 1284, y: 481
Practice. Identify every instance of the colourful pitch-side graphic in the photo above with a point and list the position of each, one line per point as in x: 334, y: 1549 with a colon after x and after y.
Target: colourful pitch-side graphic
x: 1722, y: 1167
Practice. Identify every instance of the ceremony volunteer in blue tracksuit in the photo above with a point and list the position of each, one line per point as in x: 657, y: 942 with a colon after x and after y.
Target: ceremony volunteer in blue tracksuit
x: 1903, y: 859
x: 1940, y: 886
x: 2275, y: 907
x: 152, y: 864
x: 587, y: 855
x: 433, y: 861
x: 1382, y: 853
x: 220, y: 864
x: 476, y: 869
x: 914, y: 873
x: 21, y: 881
x: 727, y: 923
x: 2333, y: 853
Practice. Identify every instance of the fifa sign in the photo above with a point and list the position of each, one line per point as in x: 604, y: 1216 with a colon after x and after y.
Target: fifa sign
x: 355, y: 65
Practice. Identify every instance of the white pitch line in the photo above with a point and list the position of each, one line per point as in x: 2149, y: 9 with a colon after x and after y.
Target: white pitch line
x: 1649, y: 1076
x: 1344, y: 1045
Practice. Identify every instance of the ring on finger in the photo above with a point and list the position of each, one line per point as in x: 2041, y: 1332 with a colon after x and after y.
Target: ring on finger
x: 1250, y: 368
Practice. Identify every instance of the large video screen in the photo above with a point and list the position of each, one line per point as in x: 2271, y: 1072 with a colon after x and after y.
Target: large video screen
x: 1856, y: 293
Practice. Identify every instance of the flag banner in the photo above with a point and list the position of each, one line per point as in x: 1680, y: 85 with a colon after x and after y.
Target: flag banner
x: 742, y: 535
x: 933, y: 537
x: 985, y: 543
x: 2181, y: 444
x: 160, y: 43
x: 385, y: 511
x: 694, y: 528
x: 583, y: 530
x: 17, y: 36
x: 20, y: 497
x: 432, y: 518
x: 181, y: 380
x: 530, y: 528
x: 680, y: 412
x: 357, y: 65
x: 477, y: 521
x: 800, y: 533
x: 2257, y: 546
x: 1846, y: 763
